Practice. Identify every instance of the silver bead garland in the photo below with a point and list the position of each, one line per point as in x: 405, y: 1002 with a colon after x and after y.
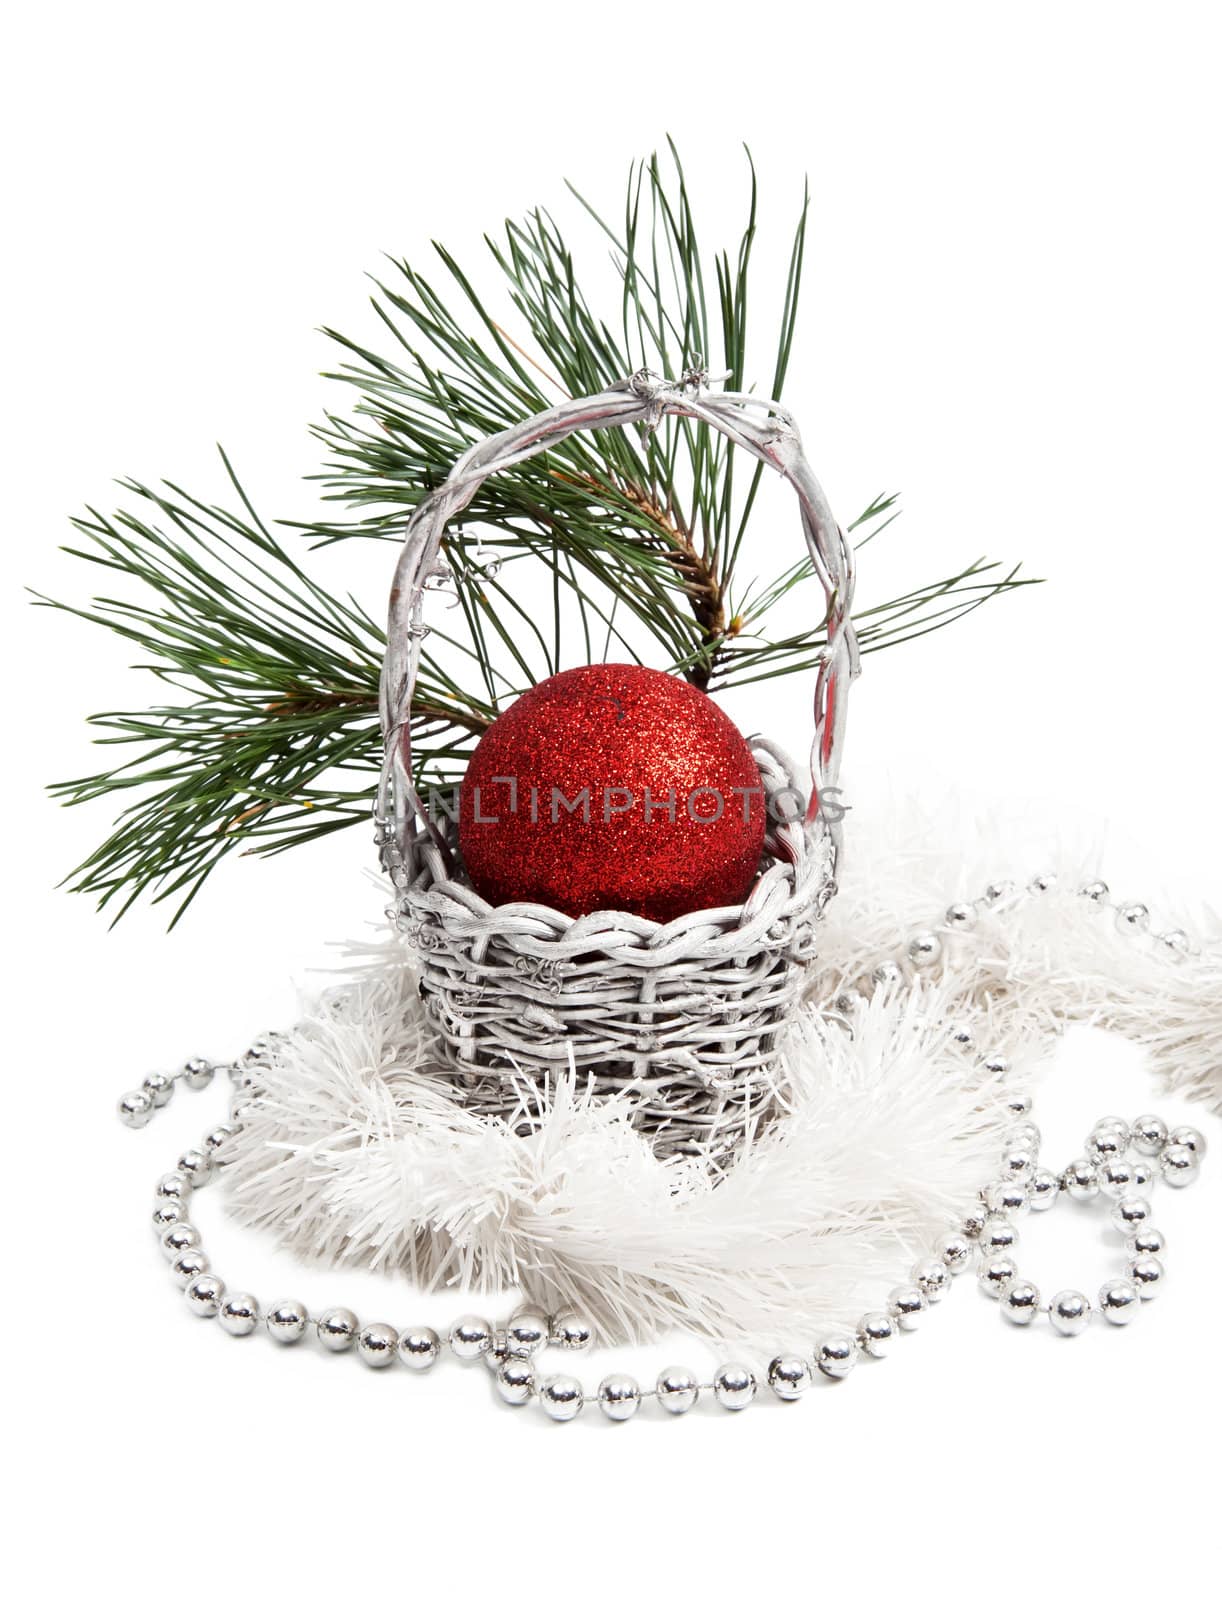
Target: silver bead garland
x: 1111, y: 1171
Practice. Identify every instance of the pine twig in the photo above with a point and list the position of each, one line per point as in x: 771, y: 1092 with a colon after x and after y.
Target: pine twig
x: 273, y: 738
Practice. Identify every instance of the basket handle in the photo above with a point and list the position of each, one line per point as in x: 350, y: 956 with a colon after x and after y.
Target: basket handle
x: 761, y: 427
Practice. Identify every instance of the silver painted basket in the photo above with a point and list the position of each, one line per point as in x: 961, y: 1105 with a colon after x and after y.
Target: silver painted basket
x: 685, y: 1017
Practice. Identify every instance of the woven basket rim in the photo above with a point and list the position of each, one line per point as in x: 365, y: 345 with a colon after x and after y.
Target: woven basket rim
x: 798, y: 877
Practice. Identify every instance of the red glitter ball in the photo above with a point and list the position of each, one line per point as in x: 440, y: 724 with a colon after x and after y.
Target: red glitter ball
x: 613, y: 788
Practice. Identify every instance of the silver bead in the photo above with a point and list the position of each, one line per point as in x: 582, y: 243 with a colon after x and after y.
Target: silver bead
x: 837, y: 1356
x: 734, y: 1386
x: 174, y: 1186
x: 337, y: 1329
x: 179, y: 1236
x: 561, y: 1398
x: 159, y: 1088
x: 1179, y: 1166
x: 1116, y: 1178
x: 962, y: 916
x: 905, y: 1306
x: 619, y: 1396
x: 1116, y: 1125
x: 287, y: 1321
x: 196, y: 1165
x: 570, y: 1331
x: 1019, y: 1161
x: 1069, y: 1312
x: 1147, y: 1272
x: 876, y: 1334
x: 996, y: 1273
x: 197, y: 1073
x: 1133, y: 918
x: 1102, y: 1144
x: 887, y: 975
x: 167, y: 1214
x: 996, y: 892
x: 961, y: 1036
x: 1020, y: 1302
x: 515, y: 1380
x: 239, y: 1314
x: 378, y: 1344
x: 955, y: 1251
x: 1043, y: 1189
x: 789, y: 1377
x: 974, y: 1219
x: 1020, y: 1105
x: 1080, y: 1180
x: 1191, y: 1138
x: 933, y: 1279
x: 1109, y: 1137
x: 216, y: 1138
x: 925, y: 950
x: 1043, y: 883
x: 190, y: 1264
x: 1007, y: 1198
x: 1096, y: 892
x: 470, y: 1337
x: 998, y: 1237
x: 136, y: 1108
x: 1146, y: 1242
x: 261, y: 1054
x: 1176, y: 942
x: 526, y: 1332
x: 204, y: 1294
x: 419, y: 1348
x: 1119, y: 1301
x: 1025, y: 1134
x: 1143, y: 1177
x: 677, y: 1390
x: 1149, y: 1134
x: 497, y: 1350
x: 1131, y: 1213
x: 995, y: 1064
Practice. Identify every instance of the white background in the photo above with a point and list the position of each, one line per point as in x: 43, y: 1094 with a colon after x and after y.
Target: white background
x: 1011, y: 314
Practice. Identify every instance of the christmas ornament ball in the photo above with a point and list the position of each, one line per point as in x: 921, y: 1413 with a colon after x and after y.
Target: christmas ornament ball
x: 613, y: 787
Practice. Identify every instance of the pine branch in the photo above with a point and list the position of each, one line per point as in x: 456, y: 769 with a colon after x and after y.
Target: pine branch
x: 651, y: 518
x: 269, y: 733
x: 273, y: 739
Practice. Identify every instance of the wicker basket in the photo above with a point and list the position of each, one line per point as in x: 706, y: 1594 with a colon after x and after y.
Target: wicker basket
x: 687, y: 1016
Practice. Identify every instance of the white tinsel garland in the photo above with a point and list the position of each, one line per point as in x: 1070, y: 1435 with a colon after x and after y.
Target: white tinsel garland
x: 354, y: 1152
x: 1043, y: 961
